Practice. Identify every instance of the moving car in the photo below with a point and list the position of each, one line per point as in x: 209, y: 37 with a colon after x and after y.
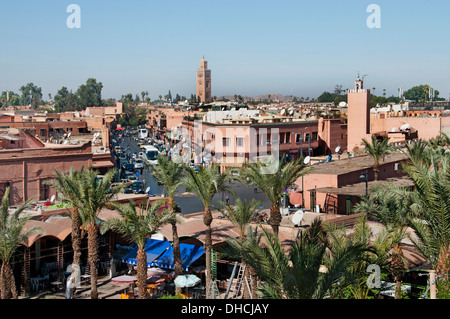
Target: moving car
x: 138, y: 164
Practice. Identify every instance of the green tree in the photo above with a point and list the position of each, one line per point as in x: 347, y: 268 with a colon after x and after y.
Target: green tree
x: 171, y: 175
x: 12, y: 234
x: 298, y: 273
x: 391, y: 206
x: 377, y: 150
x: 65, y: 100
x: 431, y: 196
x: 94, y: 195
x: 68, y: 185
x: 138, y: 224
x: 31, y: 95
x: 90, y: 94
x: 206, y: 183
x: 419, y: 93
x: 325, y: 97
x: 241, y: 215
x: 273, y: 184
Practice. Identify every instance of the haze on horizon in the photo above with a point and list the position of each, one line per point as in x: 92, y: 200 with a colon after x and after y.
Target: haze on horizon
x: 252, y: 47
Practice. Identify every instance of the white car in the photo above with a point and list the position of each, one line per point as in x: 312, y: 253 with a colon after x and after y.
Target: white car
x: 138, y: 164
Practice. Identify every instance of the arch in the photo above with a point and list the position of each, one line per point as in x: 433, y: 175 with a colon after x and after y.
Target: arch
x: 48, y: 229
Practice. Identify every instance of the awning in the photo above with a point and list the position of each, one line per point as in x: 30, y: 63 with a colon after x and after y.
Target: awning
x: 189, y: 254
x: 100, y: 164
x: 153, y: 248
x: 160, y: 253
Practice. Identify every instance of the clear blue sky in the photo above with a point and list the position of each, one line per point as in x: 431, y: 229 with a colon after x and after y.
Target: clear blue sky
x: 253, y: 47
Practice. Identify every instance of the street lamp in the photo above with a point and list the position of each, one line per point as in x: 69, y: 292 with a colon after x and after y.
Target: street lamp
x: 365, y: 175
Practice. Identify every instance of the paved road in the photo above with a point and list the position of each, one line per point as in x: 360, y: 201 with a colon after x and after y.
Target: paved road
x: 191, y: 204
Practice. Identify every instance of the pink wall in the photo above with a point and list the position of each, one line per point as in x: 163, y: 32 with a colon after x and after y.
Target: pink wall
x: 26, y: 169
x: 358, y: 117
x: 332, y: 134
x: 427, y: 127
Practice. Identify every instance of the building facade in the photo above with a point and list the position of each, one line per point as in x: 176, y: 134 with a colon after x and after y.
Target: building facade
x: 204, y: 82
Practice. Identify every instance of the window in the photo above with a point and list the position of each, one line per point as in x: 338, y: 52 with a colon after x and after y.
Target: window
x: 282, y: 136
x: 44, y: 190
x: 288, y: 138
x: 307, y: 137
x: 239, y: 141
x: 43, y: 132
x: 314, y: 136
x: 225, y: 141
x: 298, y: 138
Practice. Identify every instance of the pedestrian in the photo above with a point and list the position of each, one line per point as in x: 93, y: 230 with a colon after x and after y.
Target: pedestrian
x: 227, y: 200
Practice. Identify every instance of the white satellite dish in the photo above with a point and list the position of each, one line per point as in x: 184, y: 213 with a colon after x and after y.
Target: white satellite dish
x: 297, y: 218
x: 342, y: 104
x: 283, y: 111
x: 307, y: 160
x: 337, y: 149
x: 65, y: 142
x: 394, y: 129
x: 68, y: 135
x: 147, y: 190
x: 291, y: 112
x: 158, y: 236
x: 405, y: 126
x: 52, y: 199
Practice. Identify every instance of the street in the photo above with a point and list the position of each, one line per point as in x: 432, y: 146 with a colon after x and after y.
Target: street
x: 190, y: 203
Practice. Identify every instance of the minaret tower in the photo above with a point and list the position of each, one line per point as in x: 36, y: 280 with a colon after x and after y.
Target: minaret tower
x: 358, y: 124
x: 204, y: 82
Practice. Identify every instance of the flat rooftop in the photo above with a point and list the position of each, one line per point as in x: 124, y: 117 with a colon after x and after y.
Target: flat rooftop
x: 346, y: 165
x: 359, y: 189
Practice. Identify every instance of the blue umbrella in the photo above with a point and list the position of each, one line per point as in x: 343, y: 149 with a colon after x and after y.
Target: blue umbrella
x: 183, y: 281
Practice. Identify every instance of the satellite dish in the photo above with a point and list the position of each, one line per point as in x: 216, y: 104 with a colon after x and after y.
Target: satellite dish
x: 405, y: 126
x: 342, y: 104
x: 52, y: 199
x: 283, y: 111
x: 158, y: 236
x: 338, y: 149
x: 297, y: 218
x: 147, y: 190
x: 307, y: 160
x: 394, y: 129
x: 68, y: 135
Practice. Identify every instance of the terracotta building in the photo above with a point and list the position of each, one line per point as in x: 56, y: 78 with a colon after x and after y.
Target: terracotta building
x: 28, y: 163
x: 358, y: 115
x: 203, y: 81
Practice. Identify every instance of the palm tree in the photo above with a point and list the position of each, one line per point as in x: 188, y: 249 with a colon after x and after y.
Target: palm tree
x: 298, y: 274
x: 241, y: 216
x: 67, y: 184
x: 12, y: 235
x: 94, y: 195
x: 170, y: 174
x: 138, y: 225
x: 431, y: 225
x: 390, y: 205
x: 206, y: 183
x: 377, y: 150
x: 274, y: 182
